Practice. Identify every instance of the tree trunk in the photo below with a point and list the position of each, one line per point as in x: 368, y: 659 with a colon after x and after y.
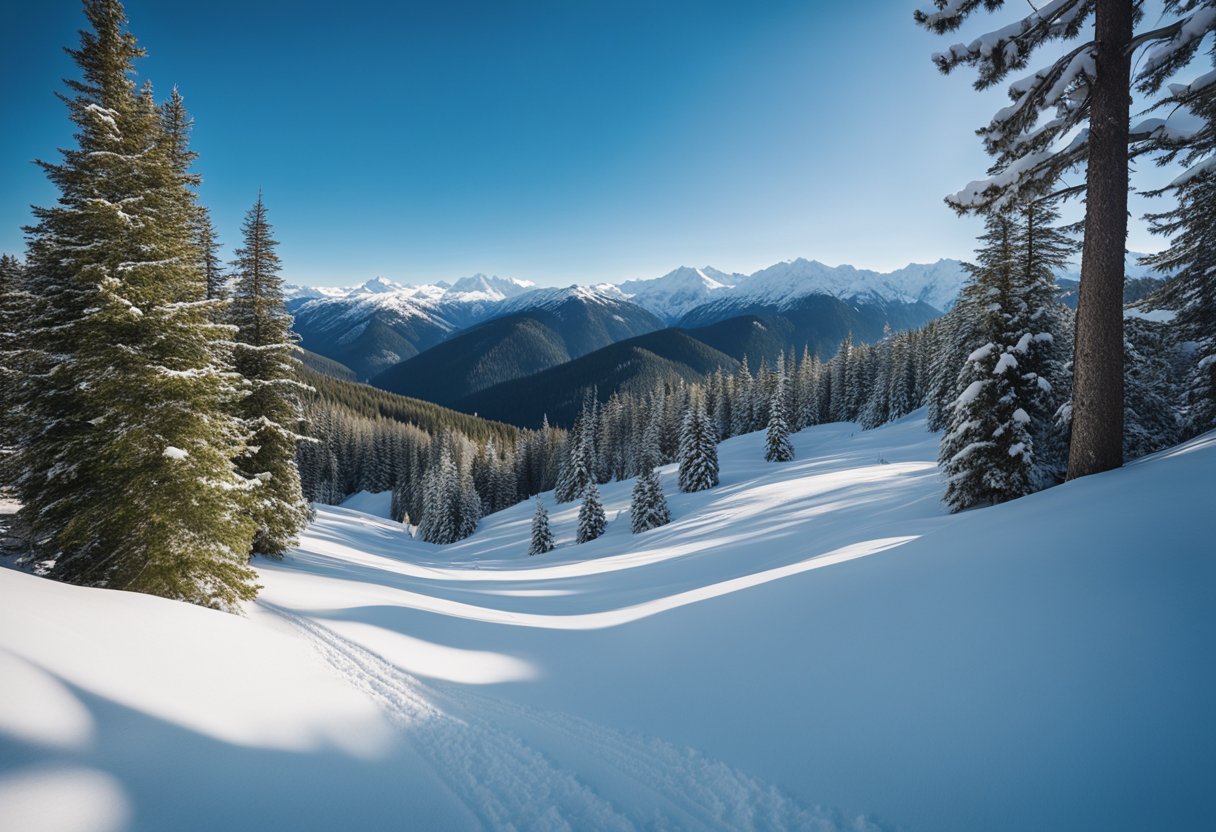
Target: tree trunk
x: 1097, y: 392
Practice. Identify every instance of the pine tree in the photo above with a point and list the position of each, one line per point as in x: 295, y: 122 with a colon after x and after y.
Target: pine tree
x: 987, y: 450
x: 542, y: 536
x: 777, y: 446
x: 265, y: 358
x: 648, y: 507
x: 14, y: 308
x: 1154, y: 373
x: 698, y: 451
x: 1088, y: 91
x: 134, y: 385
x: 213, y: 266
x: 1190, y: 258
x: 591, y: 520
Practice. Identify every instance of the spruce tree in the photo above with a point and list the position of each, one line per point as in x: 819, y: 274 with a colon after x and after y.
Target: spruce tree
x: 270, y: 409
x: 648, y: 507
x: 134, y: 389
x: 1190, y: 258
x: 591, y: 519
x: 987, y: 452
x: 698, y: 452
x: 14, y: 309
x: 777, y: 446
x: 542, y: 536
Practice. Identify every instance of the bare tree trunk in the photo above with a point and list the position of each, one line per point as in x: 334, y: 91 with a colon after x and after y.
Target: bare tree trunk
x: 1097, y: 388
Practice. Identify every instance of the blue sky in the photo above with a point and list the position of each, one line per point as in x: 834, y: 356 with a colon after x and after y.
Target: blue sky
x: 559, y: 141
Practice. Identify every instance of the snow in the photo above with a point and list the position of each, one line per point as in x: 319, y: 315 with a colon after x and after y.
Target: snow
x: 175, y: 453
x: 377, y: 504
x: 1158, y: 315
x: 813, y: 645
x: 1005, y: 362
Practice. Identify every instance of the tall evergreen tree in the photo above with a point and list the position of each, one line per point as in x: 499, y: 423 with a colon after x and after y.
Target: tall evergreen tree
x: 698, y: 451
x: 270, y: 409
x: 132, y: 390
x: 14, y: 309
x: 1088, y: 89
x: 647, y: 506
x: 987, y: 450
x: 1190, y: 258
x: 542, y: 536
x: 591, y: 521
x: 777, y: 446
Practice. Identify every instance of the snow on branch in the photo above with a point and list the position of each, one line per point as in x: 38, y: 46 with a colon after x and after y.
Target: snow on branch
x: 996, y: 53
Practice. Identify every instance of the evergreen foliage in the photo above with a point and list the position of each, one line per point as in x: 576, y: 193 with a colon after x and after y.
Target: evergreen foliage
x: 591, y: 521
x: 777, y: 446
x: 542, y: 536
x: 130, y: 383
x: 270, y: 408
x: 1002, y: 415
x: 698, y: 451
x: 647, y: 506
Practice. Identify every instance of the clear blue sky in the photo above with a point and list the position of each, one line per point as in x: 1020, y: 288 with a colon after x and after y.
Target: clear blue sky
x: 562, y: 141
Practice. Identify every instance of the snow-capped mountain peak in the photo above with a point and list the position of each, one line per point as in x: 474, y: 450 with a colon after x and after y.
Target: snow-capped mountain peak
x: 490, y: 287
x: 378, y: 286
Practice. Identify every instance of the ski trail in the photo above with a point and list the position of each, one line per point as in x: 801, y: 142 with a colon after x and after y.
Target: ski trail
x: 698, y: 791
x: 502, y: 781
x: 510, y: 783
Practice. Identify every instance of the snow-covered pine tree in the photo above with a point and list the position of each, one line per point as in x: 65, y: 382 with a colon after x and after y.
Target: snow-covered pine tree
x: 1042, y: 327
x: 14, y: 309
x: 591, y: 519
x: 1190, y: 258
x: 1154, y: 372
x: 265, y: 358
x: 875, y: 402
x: 987, y: 452
x: 138, y: 394
x: 1088, y: 91
x: 698, y: 452
x: 647, y: 505
x: 742, y: 406
x: 542, y: 535
x: 777, y: 446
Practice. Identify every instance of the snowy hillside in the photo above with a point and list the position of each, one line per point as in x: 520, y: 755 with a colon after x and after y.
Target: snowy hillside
x: 811, y: 645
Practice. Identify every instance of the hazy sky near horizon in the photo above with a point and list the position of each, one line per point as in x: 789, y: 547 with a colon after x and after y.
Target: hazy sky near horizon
x: 556, y: 141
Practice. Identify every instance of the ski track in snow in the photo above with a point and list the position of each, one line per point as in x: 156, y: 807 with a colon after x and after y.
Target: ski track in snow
x: 509, y: 784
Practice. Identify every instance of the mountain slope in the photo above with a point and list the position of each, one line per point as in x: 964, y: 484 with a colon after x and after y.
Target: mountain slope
x: 819, y: 321
x: 636, y: 364
x: 811, y: 634
x: 552, y: 327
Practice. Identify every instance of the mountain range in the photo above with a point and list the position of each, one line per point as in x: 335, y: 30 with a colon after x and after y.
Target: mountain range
x: 509, y: 350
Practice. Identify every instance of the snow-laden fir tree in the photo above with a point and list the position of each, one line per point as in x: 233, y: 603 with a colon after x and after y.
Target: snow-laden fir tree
x: 591, y: 519
x: 777, y: 446
x: 1087, y: 93
x: 1190, y: 258
x: 270, y: 409
x: 647, y: 505
x: 1153, y: 380
x: 698, y: 452
x: 542, y: 536
x: 987, y: 452
x: 127, y: 441
x: 1043, y: 329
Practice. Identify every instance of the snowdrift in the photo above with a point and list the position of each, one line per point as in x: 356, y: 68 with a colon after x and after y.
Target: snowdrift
x: 811, y: 645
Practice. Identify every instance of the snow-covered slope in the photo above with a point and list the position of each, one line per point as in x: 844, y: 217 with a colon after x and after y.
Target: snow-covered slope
x: 812, y: 645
